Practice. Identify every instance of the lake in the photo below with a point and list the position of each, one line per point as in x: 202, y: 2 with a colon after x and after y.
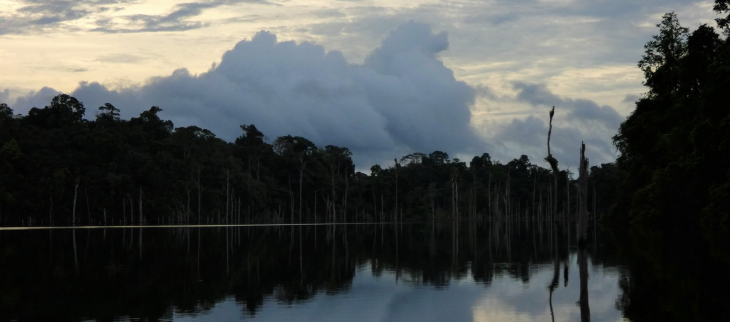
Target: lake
x: 487, y: 271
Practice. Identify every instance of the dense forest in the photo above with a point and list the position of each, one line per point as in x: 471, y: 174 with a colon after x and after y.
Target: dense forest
x: 675, y: 147
x: 59, y: 168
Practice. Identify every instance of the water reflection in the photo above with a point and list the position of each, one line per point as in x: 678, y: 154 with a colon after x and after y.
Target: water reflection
x: 472, y: 272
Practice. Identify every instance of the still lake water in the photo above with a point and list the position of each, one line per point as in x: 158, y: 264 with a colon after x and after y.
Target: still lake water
x: 415, y: 272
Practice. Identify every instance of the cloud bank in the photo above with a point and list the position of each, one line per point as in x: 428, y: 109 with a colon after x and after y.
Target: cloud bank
x: 401, y: 99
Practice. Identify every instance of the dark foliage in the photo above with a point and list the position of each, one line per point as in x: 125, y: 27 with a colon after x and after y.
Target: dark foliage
x: 675, y: 147
x: 146, y: 170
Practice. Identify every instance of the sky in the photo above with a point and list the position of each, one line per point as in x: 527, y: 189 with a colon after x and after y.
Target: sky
x: 383, y: 78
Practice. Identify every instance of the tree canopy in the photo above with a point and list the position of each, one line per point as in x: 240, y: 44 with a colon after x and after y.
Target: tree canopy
x: 675, y: 146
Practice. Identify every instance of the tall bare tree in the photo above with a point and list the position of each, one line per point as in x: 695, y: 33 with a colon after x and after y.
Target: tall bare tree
x: 553, y: 164
x: 582, y: 197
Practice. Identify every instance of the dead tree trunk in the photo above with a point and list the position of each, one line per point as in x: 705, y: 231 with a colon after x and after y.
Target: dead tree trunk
x: 228, y: 196
x: 88, y: 208
x: 489, y: 195
x: 50, y: 214
x: 344, y: 206
x: 582, y: 197
x: 507, y: 201
x: 73, y: 214
x: 140, y: 205
x: 375, y: 206
x: 554, y: 165
x: 396, y: 189
x: 291, y: 203
x: 332, y: 171
x: 534, y: 188
x: 301, y: 175
x: 567, y: 198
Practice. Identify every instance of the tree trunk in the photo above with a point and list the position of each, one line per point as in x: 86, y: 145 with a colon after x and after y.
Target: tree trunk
x: 453, y: 199
x: 375, y: 205
x: 291, y: 203
x: 301, y: 175
x: 534, y: 188
x: 555, y: 195
x: 396, y: 188
x: 332, y: 172
x: 382, y: 207
x: 76, y: 190
x: 140, y: 205
x: 554, y: 165
x: 228, y: 196
x: 567, y: 198
x: 347, y: 188
x: 88, y: 208
x: 489, y: 195
x: 507, y: 200
x: 583, y: 197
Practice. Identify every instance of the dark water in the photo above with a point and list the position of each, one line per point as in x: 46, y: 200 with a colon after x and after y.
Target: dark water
x: 418, y: 272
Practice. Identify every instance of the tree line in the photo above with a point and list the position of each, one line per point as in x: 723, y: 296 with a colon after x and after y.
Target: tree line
x: 58, y: 167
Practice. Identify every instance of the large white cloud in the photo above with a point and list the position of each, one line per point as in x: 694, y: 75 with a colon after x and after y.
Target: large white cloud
x: 401, y: 99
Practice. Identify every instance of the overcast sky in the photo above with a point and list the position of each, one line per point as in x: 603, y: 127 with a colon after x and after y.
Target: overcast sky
x: 384, y: 78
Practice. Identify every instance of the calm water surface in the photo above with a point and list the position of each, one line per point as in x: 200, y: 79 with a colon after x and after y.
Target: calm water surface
x: 419, y: 272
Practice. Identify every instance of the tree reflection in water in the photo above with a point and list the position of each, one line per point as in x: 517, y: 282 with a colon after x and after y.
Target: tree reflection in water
x: 45, y: 277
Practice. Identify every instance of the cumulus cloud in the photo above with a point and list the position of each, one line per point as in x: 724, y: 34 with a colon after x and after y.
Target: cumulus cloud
x: 401, y: 99
x: 5, y: 96
x: 38, y: 98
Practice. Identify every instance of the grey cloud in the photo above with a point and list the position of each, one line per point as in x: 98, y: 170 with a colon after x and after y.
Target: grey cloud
x: 47, y: 7
x: 587, y: 110
x: 40, y: 98
x: 493, y: 19
x: 173, y: 21
x: 39, y: 15
x: 5, y: 96
x: 631, y: 98
x: 402, y: 99
x: 576, y: 120
x: 486, y: 91
x: 535, y: 94
x: 530, y: 135
x: 579, y: 110
x: 66, y: 16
